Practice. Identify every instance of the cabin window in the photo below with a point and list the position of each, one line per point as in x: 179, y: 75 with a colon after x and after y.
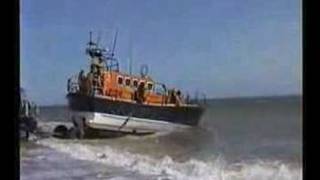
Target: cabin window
x: 150, y: 86
x: 142, y: 84
x: 128, y: 82
x: 159, y: 90
x: 135, y: 83
x: 120, y: 80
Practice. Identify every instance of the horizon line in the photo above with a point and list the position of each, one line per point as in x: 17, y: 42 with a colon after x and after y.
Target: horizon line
x: 212, y: 98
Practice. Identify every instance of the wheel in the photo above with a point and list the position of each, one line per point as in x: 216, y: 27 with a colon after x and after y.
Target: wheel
x: 60, y: 131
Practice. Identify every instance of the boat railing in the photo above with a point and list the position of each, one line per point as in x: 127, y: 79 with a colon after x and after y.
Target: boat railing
x: 97, y: 90
x: 73, y: 84
x: 202, y: 100
x: 161, y: 89
x: 29, y: 109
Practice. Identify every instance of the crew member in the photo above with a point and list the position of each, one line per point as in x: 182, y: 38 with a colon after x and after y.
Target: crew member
x: 179, y: 96
x: 140, y: 93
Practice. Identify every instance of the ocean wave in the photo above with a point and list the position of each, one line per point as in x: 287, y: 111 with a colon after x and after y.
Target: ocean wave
x: 167, y: 168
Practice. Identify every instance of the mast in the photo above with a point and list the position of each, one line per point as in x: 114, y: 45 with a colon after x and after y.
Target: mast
x: 130, y: 66
x: 114, y: 43
x: 130, y: 54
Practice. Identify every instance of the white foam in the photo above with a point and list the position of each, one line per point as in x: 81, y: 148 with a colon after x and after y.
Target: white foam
x: 166, y: 168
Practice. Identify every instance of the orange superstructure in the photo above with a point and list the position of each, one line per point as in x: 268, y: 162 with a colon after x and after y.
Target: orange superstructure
x: 124, y: 86
x: 105, y: 79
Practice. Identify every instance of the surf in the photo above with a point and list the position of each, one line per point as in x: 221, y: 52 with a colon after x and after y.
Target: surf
x: 167, y: 168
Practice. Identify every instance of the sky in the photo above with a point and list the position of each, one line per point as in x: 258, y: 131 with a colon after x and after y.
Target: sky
x: 226, y: 48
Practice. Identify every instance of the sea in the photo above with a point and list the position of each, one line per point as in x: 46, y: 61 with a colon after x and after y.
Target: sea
x: 237, y: 139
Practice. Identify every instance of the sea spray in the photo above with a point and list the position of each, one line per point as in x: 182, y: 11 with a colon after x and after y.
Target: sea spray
x: 167, y: 168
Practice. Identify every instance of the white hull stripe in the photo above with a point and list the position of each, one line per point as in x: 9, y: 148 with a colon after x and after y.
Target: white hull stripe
x: 114, y: 122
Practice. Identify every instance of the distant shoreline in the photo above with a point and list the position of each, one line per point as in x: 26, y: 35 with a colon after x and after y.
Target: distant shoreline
x: 258, y: 97
x: 243, y: 98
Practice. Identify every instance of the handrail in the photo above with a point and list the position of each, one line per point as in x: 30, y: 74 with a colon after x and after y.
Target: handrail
x: 73, y: 84
x: 198, y: 100
x: 204, y: 99
x: 163, y: 94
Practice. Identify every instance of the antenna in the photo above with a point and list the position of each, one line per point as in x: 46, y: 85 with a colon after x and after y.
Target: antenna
x: 130, y: 66
x: 114, y: 43
x: 144, y: 70
x: 130, y: 55
x: 90, y: 39
x: 98, y: 38
x: 104, y: 47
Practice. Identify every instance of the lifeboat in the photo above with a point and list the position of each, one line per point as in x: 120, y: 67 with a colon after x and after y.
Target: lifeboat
x: 106, y: 99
